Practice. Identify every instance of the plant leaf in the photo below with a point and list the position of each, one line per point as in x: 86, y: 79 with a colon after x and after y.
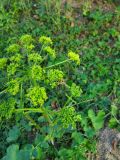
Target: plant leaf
x: 13, y: 134
x: 12, y: 152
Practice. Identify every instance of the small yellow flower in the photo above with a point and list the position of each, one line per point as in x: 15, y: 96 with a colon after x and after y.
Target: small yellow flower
x: 13, y: 86
x: 26, y: 39
x: 67, y: 116
x: 37, y: 72
x: 75, y: 90
x: 54, y: 77
x: 7, y: 109
x: 12, y: 68
x: 37, y: 95
x: 29, y: 47
x: 16, y: 58
x: 74, y: 57
x: 34, y: 57
x: 3, y: 62
x: 13, y: 48
x: 45, y: 40
x: 50, y: 51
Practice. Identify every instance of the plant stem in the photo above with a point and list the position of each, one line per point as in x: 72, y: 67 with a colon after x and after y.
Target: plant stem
x: 40, y: 110
x: 58, y: 63
x: 21, y: 96
x: 29, y: 109
x: 4, y: 91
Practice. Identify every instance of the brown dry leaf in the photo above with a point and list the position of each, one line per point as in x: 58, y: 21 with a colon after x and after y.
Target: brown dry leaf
x: 54, y: 105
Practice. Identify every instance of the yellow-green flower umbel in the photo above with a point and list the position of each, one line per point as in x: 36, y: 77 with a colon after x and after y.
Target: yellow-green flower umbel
x: 74, y: 57
x: 45, y: 40
x: 37, y: 95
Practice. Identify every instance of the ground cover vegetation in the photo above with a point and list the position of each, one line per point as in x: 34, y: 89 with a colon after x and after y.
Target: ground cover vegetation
x: 59, y: 77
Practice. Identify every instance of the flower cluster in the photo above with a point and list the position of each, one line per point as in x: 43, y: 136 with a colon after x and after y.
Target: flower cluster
x: 26, y: 39
x: 37, y: 95
x: 34, y: 57
x: 67, y: 116
x: 74, y: 57
x: 16, y: 58
x: 29, y: 47
x: 45, y: 40
x: 54, y: 77
x: 7, y: 109
x: 75, y: 90
x: 37, y: 72
x: 13, y: 48
x: 50, y: 51
x: 2, y: 62
x: 13, y: 86
x: 12, y: 68
x: 31, y: 70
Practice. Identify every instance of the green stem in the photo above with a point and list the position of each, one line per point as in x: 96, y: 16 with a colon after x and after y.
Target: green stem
x: 29, y: 109
x: 21, y: 96
x: 4, y: 91
x: 40, y: 110
x: 70, y: 98
x: 44, y: 58
x: 88, y: 100
x: 116, y: 119
x: 42, y: 49
x: 57, y: 64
